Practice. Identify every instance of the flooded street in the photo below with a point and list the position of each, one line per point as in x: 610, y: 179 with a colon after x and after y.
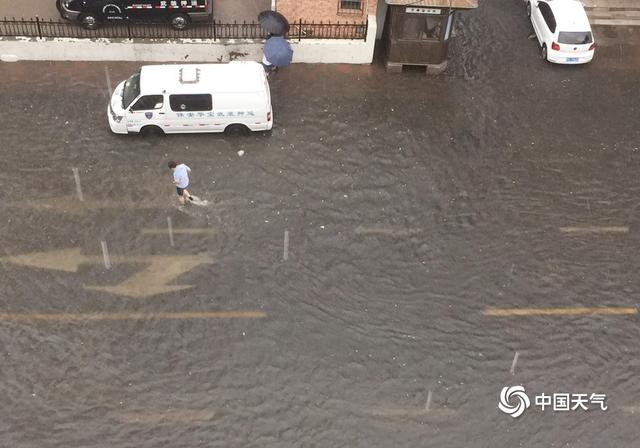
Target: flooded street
x: 355, y: 277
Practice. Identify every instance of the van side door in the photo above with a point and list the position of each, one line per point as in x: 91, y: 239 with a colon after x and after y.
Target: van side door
x: 147, y: 110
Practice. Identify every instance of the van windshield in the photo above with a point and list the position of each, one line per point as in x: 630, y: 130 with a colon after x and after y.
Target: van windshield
x: 131, y: 89
x: 575, y: 37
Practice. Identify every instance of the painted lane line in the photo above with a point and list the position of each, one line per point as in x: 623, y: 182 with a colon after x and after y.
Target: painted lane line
x: 285, y: 254
x: 76, y: 177
x: 105, y: 254
x: 170, y: 228
x: 595, y: 229
x: 513, y: 364
x: 82, y: 317
x: 427, y: 406
x: 505, y: 312
x: 109, y: 85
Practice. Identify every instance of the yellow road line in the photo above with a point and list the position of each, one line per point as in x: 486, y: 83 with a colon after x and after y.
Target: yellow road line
x: 595, y: 229
x: 196, y: 231
x: 504, y: 312
x: 70, y: 317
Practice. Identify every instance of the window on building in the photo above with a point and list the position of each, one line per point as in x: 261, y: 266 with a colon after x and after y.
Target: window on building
x: 190, y: 103
x: 354, y: 6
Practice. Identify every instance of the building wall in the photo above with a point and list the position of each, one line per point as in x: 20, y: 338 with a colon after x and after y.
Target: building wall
x: 323, y: 10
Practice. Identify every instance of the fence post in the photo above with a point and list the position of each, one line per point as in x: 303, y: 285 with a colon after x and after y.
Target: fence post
x: 366, y: 29
x: 300, y: 32
x: 215, y: 34
x: 38, y: 26
x: 129, y: 29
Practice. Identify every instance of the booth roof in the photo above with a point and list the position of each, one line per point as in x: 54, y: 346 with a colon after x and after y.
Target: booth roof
x: 467, y: 4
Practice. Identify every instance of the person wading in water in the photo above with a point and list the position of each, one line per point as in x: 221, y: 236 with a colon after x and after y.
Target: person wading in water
x: 181, y: 181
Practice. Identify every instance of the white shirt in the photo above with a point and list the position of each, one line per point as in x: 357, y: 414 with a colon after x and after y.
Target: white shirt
x: 181, y: 175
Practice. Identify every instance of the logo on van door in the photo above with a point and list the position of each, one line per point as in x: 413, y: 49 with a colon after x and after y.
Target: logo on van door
x: 149, y: 115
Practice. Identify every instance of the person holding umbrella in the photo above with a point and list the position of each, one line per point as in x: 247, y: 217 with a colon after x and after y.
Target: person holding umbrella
x: 277, y: 50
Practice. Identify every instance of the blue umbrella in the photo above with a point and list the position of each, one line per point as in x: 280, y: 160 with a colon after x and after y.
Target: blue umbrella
x: 278, y: 51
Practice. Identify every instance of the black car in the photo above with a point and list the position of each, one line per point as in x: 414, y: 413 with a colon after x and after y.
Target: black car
x: 91, y: 13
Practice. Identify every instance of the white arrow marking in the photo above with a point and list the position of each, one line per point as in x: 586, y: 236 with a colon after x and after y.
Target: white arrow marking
x: 153, y: 280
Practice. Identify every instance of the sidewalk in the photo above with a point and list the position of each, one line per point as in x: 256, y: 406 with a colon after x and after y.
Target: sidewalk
x: 613, y: 12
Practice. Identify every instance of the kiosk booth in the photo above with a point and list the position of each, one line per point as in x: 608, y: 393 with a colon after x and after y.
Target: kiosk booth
x: 418, y: 32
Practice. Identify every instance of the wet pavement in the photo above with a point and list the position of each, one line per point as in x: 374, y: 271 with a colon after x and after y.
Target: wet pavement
x: 429, y: 222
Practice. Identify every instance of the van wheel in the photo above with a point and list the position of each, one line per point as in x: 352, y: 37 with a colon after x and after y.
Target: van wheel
x: 151, y: 131
x: 236, y: 129
x: 543, y: 53
x: 179, y: 21
x: 89, y: 21
x: 528, y: 9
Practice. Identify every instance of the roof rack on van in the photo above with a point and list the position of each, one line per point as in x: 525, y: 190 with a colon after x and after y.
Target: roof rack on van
x: 189, y: 75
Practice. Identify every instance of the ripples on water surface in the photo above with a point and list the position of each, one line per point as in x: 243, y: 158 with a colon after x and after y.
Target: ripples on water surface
x: 412, y: 203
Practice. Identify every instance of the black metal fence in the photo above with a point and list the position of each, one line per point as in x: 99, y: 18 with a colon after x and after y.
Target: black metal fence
x: 206, y: 30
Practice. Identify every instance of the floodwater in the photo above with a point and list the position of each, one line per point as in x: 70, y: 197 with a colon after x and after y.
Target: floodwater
x: 412, y: 205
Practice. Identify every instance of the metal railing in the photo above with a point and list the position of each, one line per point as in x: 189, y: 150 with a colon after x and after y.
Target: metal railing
x: 207, y: 30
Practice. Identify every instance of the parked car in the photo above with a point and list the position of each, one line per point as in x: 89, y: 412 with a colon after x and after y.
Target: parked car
x: 92, y: 13
x: 166, y: 99
x: 563, y: 30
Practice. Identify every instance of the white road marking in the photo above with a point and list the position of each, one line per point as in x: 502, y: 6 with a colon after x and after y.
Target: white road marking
x: 513, y: 364
x: 109, y: 85
x: 76, y: 177
x: 285, y: 254
x: 105, y: 255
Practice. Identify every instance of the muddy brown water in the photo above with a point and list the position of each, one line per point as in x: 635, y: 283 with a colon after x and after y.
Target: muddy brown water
x: 412, y: 204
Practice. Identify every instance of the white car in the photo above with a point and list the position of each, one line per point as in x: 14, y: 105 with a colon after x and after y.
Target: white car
x: 563, y: 30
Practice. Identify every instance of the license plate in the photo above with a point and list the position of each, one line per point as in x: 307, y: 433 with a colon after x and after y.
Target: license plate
x: 572, y: 59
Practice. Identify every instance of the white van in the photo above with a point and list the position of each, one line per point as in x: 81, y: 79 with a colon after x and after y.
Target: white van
x: 166, y: 99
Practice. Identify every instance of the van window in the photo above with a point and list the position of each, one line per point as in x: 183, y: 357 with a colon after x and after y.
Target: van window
x: 190, y: 103
x: 131, y: 89
x: 149, y: 102
x: 575, y: 38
